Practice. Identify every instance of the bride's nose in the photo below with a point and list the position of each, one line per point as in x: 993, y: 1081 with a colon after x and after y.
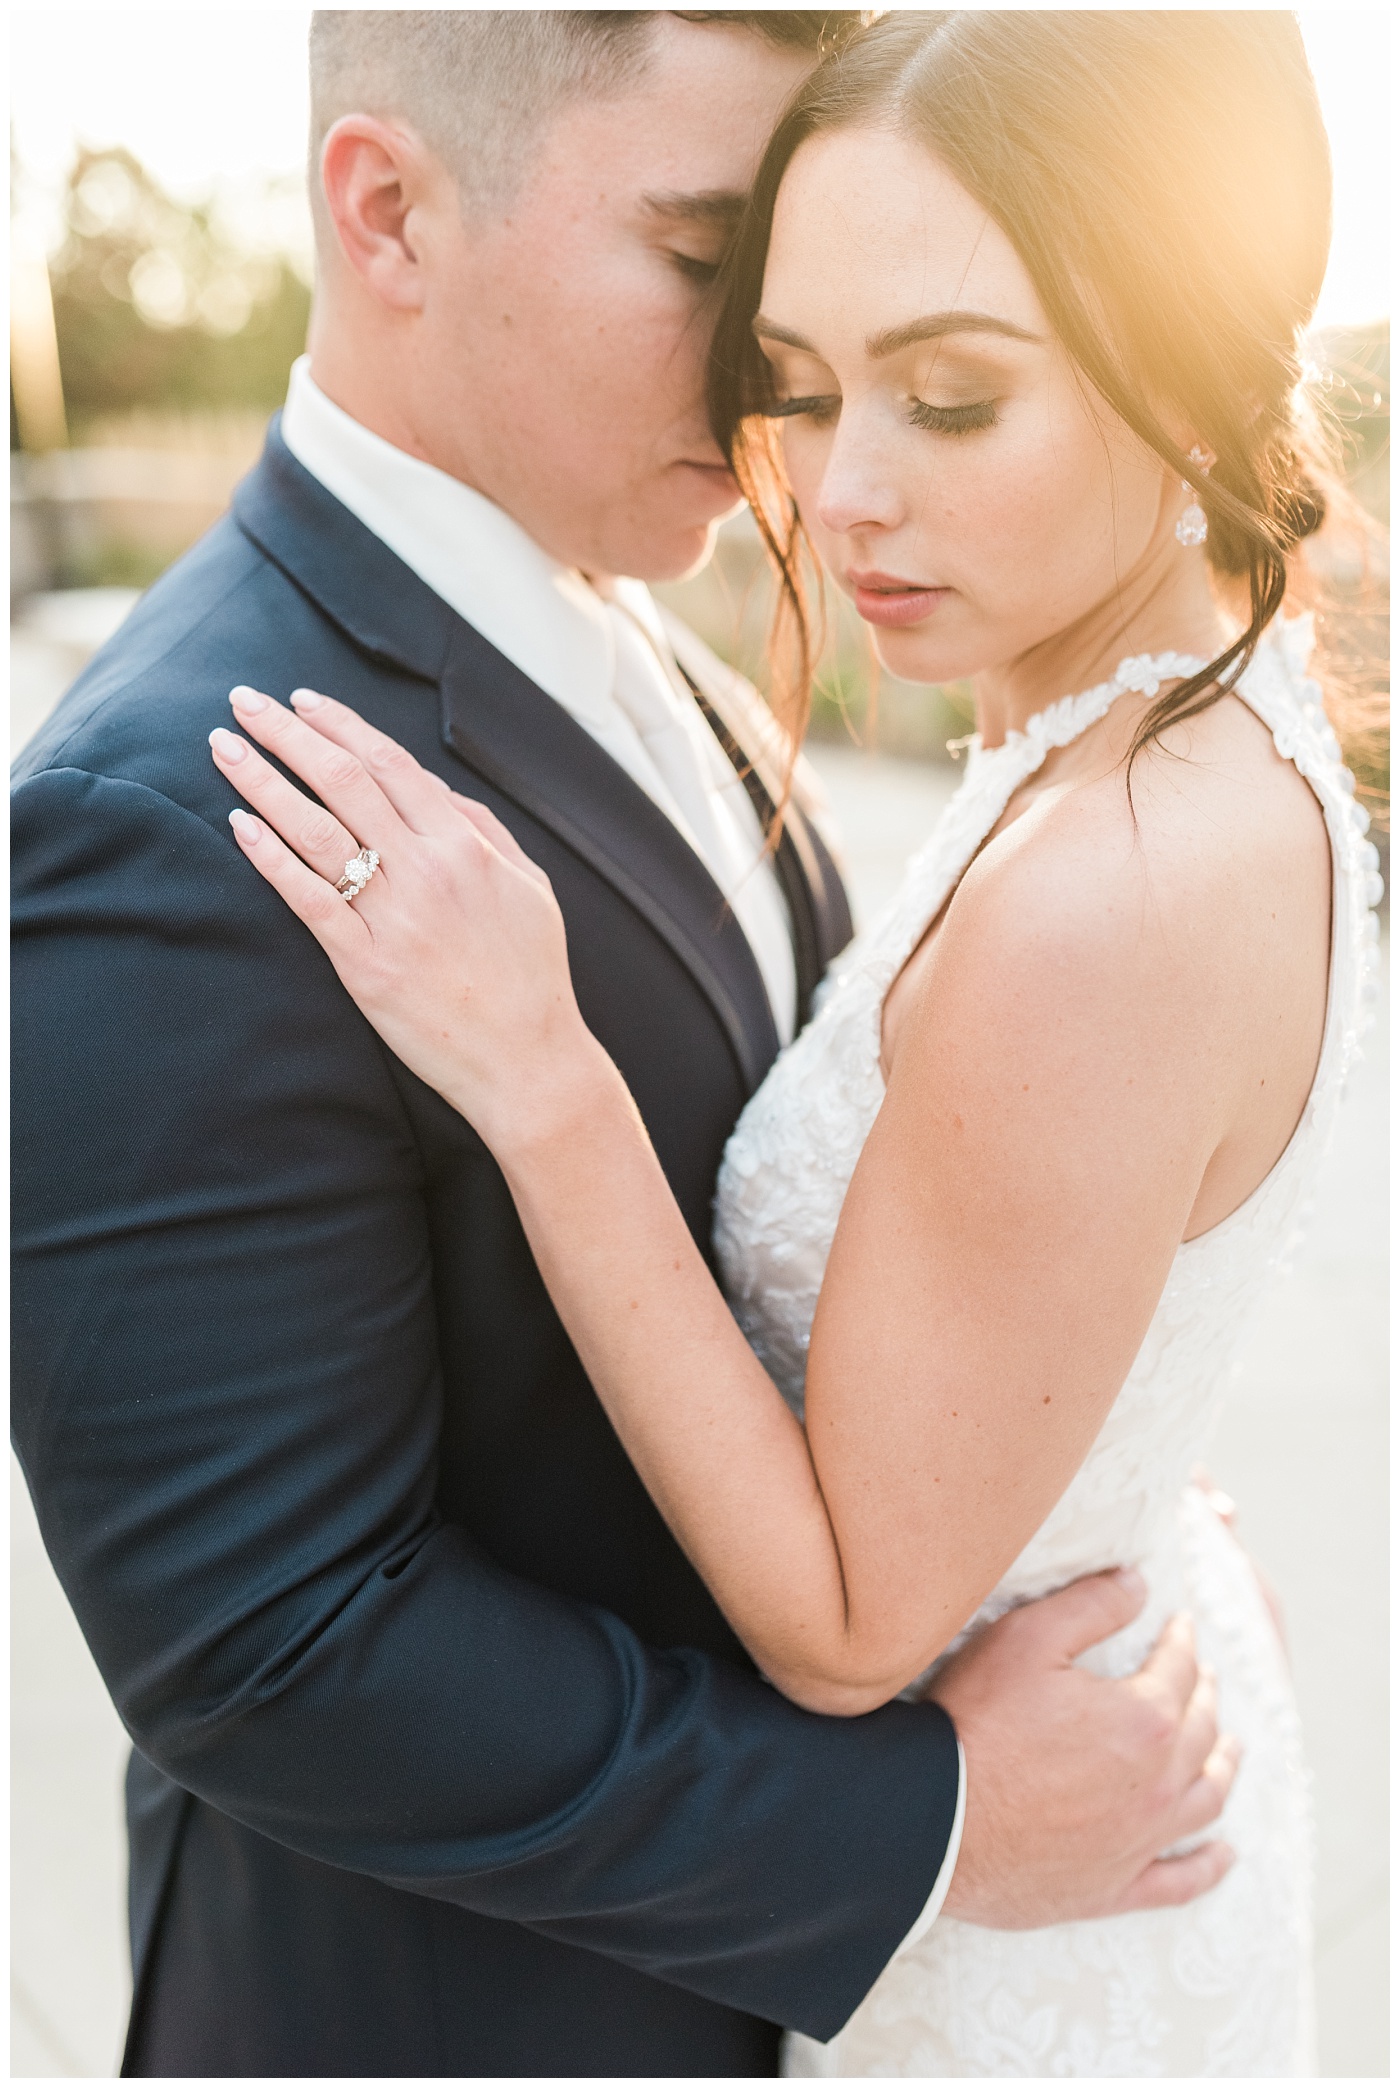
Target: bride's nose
x: 860, y: 485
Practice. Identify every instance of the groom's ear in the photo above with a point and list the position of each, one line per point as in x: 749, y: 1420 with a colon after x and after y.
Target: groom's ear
x: 382, y: 189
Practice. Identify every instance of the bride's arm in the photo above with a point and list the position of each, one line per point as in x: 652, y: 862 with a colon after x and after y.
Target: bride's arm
x: 994, y: 1269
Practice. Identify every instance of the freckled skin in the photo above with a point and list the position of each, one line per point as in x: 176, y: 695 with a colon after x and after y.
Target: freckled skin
x: 1048, y: 530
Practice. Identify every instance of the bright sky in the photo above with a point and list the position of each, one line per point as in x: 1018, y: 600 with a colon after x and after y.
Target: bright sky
x: 212, y: 96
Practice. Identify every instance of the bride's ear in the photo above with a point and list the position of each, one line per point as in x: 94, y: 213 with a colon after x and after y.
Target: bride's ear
x: 1185, y: 435
x: 379, y: 187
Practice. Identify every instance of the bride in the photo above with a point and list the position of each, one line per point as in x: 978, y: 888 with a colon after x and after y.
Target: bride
x: 1014, y: 317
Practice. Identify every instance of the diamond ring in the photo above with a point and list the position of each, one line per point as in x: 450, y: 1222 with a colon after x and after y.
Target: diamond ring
x: 358, y: 872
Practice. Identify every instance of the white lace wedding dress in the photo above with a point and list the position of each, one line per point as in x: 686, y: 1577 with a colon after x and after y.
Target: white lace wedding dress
x: 1221, y: 1986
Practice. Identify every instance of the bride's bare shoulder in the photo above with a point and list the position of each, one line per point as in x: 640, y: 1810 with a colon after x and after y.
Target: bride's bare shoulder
x: 1210, y: 813
x: 1158, y: 904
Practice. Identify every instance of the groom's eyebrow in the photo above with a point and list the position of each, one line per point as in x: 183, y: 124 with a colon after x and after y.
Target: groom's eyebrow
x: 718, y: 207
x: 932, y: 327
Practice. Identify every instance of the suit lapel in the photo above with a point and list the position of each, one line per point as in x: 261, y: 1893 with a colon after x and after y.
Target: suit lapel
x: 343, y: 567
x: 821, y: 921
x: 506, y: 730
x: 753, y: 743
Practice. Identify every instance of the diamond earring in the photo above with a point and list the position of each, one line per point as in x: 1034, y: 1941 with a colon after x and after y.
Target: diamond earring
x: 1191, y: 524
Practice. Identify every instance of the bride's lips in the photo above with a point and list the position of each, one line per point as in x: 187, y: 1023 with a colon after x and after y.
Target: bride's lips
x: 882, y: 599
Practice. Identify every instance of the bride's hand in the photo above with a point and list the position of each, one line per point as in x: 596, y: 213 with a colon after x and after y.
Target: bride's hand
x: 455, y: 949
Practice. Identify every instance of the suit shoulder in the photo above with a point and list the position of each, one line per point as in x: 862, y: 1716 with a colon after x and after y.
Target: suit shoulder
x: 184, y: 600
x: 142, y: 708
x: 73, y: 830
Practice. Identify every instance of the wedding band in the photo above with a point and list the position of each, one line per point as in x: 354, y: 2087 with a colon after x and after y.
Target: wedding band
x: 358, y: 873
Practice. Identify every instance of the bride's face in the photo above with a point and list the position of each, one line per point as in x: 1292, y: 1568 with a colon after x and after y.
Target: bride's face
x: 959, y: 478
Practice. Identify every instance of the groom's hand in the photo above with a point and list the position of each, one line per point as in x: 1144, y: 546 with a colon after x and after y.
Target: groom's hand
x: 1075, y: 1785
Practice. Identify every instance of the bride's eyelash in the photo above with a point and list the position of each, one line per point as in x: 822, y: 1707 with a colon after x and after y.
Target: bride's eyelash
x: 823, y: 407
x: 818, y: 407
x: 952, y: 420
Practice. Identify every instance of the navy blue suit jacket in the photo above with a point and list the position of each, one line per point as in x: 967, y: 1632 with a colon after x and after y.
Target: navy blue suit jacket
x: 446, y: 1762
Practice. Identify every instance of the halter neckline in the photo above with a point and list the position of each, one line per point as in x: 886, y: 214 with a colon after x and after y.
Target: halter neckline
x: 1063, y: 721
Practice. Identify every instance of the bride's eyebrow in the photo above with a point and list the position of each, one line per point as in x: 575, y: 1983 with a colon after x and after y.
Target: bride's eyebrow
x: 932, y: 327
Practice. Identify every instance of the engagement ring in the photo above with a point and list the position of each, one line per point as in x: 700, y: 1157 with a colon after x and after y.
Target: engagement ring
x: 358, y: 873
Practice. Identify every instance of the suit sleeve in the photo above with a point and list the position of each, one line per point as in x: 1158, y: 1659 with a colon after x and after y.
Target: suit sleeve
x: 226, y: 1401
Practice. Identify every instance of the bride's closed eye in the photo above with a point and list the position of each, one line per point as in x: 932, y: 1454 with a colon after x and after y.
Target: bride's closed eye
x: 953, y: 420
x: 822, y: 408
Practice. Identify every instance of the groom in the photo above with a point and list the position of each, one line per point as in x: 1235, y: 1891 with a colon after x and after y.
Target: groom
x: 445, y: 1762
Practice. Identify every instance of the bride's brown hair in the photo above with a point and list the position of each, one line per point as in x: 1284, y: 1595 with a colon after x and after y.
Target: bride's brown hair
x: 1166, y: 181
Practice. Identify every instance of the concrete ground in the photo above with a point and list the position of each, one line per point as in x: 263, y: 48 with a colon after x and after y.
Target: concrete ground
x: 1303, y: 1449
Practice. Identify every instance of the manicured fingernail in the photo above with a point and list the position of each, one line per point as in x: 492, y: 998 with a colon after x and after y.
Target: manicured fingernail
x: 227, y: 745
x: 1131, y: 1581
x: 246, y: 827
x: 249, y: 700
x: 306, y: 699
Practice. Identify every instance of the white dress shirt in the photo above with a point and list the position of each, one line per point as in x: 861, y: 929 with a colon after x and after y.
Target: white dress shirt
x: 607, y: 661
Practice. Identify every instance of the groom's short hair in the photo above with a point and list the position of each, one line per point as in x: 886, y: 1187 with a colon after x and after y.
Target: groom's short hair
x: 479, y: 85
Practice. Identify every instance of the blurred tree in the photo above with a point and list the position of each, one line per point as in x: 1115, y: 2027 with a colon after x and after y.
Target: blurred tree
x: 1352, y: 388
x: 1350, y: 557
x: 157, y: 307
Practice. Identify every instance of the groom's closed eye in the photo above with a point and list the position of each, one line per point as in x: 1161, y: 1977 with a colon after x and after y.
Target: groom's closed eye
x: 695, y: 229
x: 694, y: 268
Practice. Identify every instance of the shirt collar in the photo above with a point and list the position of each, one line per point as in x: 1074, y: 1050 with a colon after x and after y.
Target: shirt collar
x: 540, y: 614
